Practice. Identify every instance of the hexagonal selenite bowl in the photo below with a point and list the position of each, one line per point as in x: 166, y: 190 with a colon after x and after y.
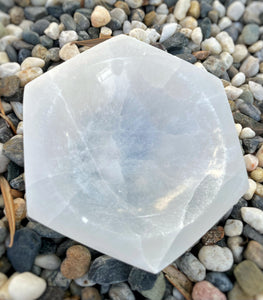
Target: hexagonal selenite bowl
x: 130, y: 151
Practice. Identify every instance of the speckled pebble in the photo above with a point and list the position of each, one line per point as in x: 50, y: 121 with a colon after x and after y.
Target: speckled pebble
x: 28, y: 75
x: 204, y: 290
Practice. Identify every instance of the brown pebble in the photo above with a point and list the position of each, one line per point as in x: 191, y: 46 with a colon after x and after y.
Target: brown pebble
x: 124, y: 6
x: 148, y: 19
x: 9, y: 86
x: 76, y: 263
x: 41, y: 52
x: 259, y: 189
x: 100, y: 16
x: 213, y: 235
x: 257, y: 174
x: 16, y: 15
x: 238, y: 294
x: 254, y: 252
x: 20, y: 209
x: 202, y: 55
x: 194, y: 9
x: 249, y: 277
x: 90, y: 293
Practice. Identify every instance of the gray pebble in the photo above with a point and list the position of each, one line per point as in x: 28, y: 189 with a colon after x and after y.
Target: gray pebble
x: 93, y: 32
x: 18, y: 183
x: 187, y: 57
x: 3, y: 231
x: 250, y: 34
x: 250, y: 66
x: 52, y: 292
x: 43, y: 231
x: 46, y: 41
x: 5, y: 132
x: 250, y: 110
x: 82, y: 22
x: 251, y: 233
x: 137, y: 15
x: 40, y: 26
x: 35, y: 13
x: 5, y: 5
x: 31, y: 37
x: 214, y: 66
x: 54, y: 54
x: 14, y: 150
x: 257, y: 202
x: 11, y: 53
x: 69, y: 7
x: 219, y: 280
x: 176, y: 41
x: 68, y: 22
x: 121, y: 291
x: 18, y: 45
x: 55, y: 11
x: 23, y: 54
x: 236, y: 213
x: 83, y: 35
x: 252, y: 144
x: 205, y: 26
x: 247, y: 96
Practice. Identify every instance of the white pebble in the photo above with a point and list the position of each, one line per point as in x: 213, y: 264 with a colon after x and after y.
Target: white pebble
x: 227, y: 59
x: 52, y: 31
x: 140, y: 35
x: 238, y: 128
x: 250, y: 66
x: 235, y: 244
x: 26, y: 286
x: 233, y: 227
x: 9, y: 69
x: 233, y: 92
x: 256, y: 47
x: 162, y: 9
x: 197, y: 35
x: 168, y: 31
x: 256, y: 89
x: 240, y: 53
x: 48, y: 261
x: 181, y: 9
x: 30, y: 62
x: 119, y: 14
x: 251, y: 162
x: 226, y: 42
x: 126, y: 27
x: 247, y: 133
x: 67, y: 36
x: 28, y: 75
x: 220, y: 8
x: 3, y: 58
x: 224, y: 23
x: 68, y: 51
x: 238, y: 79
x: 134, y: 3
x: 254, y: 217
x: 4, y: 161
x: 211, y: 45
x: 235, y: 10
x: 216, y: 258
x: 159, y: 19
x: 252, y: 186
x: 187, y: 32
x: 170, y: 18
x: 106, y: 31
x: 214, y: 30
x: 14, y: 30
x: 25, y: 25
x: 7, y: 40
x: 138, y: 24
x: 153, y: 35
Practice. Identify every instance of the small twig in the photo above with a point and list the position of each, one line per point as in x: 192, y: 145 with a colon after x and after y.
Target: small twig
x: 3, y: 115
x: 92, y: 42
x: 9, y: 208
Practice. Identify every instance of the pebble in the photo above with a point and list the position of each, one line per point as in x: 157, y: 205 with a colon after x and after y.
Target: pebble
x: 4, y: 18
x: 250, y: 34
x: 67, y: 37
x: 233, y: 92
x: 214, y: 66
x: 13, y: 149
x: 240, y: 53
x: 149, y: 19
x: 3, y: 231
x: 235, y: 10
x: 4, y: 57
x: 16, y: 15
x: 68, y: 51
x: 68, y: 22
x: 235, y: 243
x: 256, y: 47
x: 257, y: 174
x: 256, y: 89
x: 251, y: 233
x: 233, y: 227
x: 259, y: 155
x: 204, y: 290
x: 251, y: 162
x: 9, y: 69
x: 162, y: 9
x: 90, y: 293
x: 31, y: 62
x: 220, y: 8
x: 194, y: 9
x: 250, y: 66
x: 4, y: 161
x: 254, y: 252
x: 238, y: 294
x: 247, y: 133
x: 26, y: 286
x: 100, y: 16
x: 28, y: 75
x: 47, y: 261
x: 119, y: 14
x: 227, y: 59
x: 213, y: 235
x: 121, y: 291
x: 150, y: 285
x: 84, y: 281
x: 220, y: 281
x: 23, y: 54
x: 140, y: 35
x: 138, y: 24
x: 31, y: 37
x: 257, y: 202
x: 52, y: 31
x: 14, y: 30
x: 30, y: 242
x: 216, y: 258
x: 181, y: 9
x: 226, y: 42
x: 9, y: 86
x: 82, y: 21
x: 40, y: 26
x: 7, y: 40
x: 249, y: 277
x: 191, y: 267
x: 238, y: 128
x: 134, y: 3
x: 11, y: 53
x: 44, y: 231
x: 107, y: 270
x: 211, y: 45
x: 105, y: 31
x: 76, y: 263
x: 251, y: 189
x: 35, y: 13
x: 224, y: 23
x: 254, y: 217
x: 197, y: 35
x: 238, y: 79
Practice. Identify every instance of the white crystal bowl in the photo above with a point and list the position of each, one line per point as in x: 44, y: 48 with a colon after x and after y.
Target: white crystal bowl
x: 131, y: 151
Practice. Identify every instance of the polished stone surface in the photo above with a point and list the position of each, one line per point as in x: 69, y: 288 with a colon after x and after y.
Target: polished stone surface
x: 131, y: 151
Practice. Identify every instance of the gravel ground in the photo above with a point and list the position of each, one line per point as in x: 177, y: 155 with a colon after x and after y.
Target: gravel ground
x: 222, y: 37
